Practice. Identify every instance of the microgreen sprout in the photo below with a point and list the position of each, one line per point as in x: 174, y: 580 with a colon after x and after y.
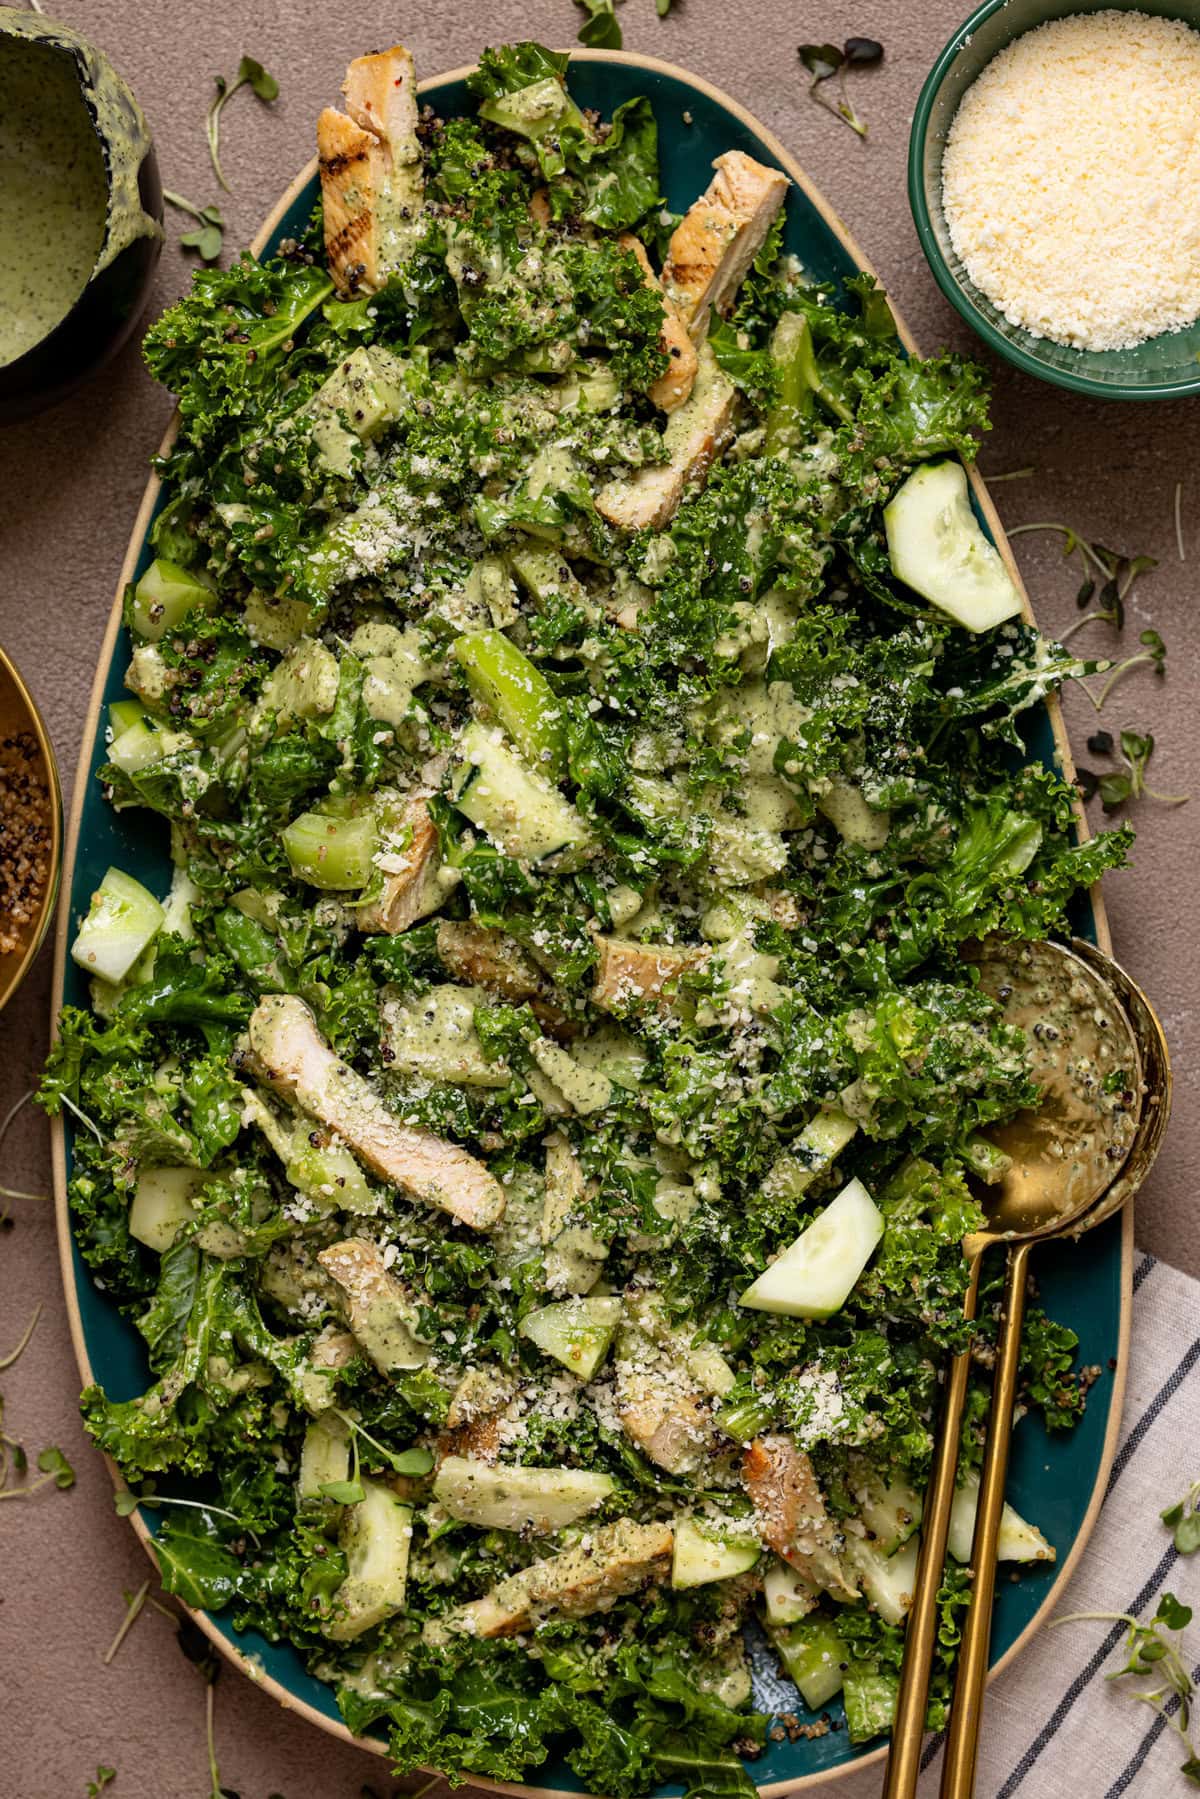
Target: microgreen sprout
x: 1114, y: 570
x: 250, y: 74
x: 1179, y: 521
x: 14, y: 1354
x: 1118, y: 787
x: 133, y: 1609
x: 10, y: 1193
x: 1184, y: 1519
x: 1153, y: 655
x: 127, y: 1501
x: 413, y: 1462
x: 52, y: 1464
x: 601, y: 30
x: 825, y: 60
x: 206, y: 240
x: 1150, y: 1651
x: 104, y: 1777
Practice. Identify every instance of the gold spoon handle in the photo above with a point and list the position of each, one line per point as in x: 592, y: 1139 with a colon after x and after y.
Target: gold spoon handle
x: 920, y: 1637
x: 962, y: 1735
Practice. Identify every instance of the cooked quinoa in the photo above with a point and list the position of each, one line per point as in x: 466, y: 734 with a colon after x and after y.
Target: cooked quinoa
x: 24, y: 837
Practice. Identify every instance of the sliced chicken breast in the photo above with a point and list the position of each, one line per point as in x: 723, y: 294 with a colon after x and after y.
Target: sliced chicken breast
x: 372, y: 183
x: 675, y: 383
x: 411, y: 890
x: 627, y: 972
x: 791, y: 1512
x: 607, y: 1563
x: 297, y: 1062
x: 695, y: 436
x: 719, y: 236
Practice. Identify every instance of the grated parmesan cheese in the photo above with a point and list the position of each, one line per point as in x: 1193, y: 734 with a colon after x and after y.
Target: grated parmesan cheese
x: 1071, y: 179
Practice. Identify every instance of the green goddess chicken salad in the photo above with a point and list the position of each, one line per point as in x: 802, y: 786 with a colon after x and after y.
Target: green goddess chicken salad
x: 535, y: 1133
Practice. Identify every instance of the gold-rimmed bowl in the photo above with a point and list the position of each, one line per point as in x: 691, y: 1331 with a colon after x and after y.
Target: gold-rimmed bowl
x: 20, y: 718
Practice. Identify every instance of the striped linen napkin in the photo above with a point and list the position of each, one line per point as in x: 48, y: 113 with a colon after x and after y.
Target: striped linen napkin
x: 1054, y: 1728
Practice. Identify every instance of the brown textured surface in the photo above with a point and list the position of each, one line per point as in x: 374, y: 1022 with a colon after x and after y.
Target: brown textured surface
x: 69, y: 488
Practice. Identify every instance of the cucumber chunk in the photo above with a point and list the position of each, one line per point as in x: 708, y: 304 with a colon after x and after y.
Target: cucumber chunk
x: 503, y: 678
x: 815, y: 1657
x: 331, y: 853
x: 891, y: 1511
x: 122, y: 920
x: 376, y: 1536
x: 705, y: 1553
x: 937, y: 547
x: 121, y: 715
x: 887, y: 1580
x: 818, y: 1145
x: 788, y: 1595
x: 162, y: 1204
x: 576, y: 1332
x: 814, y: 1277
x: 519, y: 809
x: 499, y: 1498
x: 324, y: 1457
x: 163, y: 598
x: 1017, y: 1542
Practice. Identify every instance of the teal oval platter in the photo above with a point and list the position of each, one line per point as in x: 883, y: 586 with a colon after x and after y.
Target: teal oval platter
x: 1057, y: 1481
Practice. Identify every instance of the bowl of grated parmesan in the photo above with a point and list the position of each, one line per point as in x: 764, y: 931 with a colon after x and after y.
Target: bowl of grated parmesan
x: 1054, y: 177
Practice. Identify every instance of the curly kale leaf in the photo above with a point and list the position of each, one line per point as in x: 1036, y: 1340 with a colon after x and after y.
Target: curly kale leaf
x: 220, y: 348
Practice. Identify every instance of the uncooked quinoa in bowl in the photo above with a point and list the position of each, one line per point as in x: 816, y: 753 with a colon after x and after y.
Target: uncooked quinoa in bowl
x: 30, y: 830
x: 1053, y: 171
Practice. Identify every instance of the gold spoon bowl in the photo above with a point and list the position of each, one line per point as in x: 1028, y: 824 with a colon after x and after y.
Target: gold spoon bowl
x: 32, y: 818
x: 1104, y: 1073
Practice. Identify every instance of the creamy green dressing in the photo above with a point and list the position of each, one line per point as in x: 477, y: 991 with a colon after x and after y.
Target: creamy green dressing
x: 53, y: 193
x: 72, y: 140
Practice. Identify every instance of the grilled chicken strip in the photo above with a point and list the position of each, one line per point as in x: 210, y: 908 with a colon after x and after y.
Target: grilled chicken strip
x: 791, y: 1512
x: 377, y: 1308
x: 297, y: 1062
x: 695, y: 436
x: 611, y: 1561
x: 628, y: 971
x: 372, y: 184
x: 675, y: 384
x: 410, y: 891
x: 719, y: 236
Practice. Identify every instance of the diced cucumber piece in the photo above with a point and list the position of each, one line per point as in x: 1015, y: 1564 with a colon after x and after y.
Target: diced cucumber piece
x: 546, y: 575
x: 303, y: 685
x: 324, y: 1457
x: 331, y: 853
x: 891, y: 1510
x: 122, y: 714
x: 706, y: 1552
x: 162, y: 1204
x: 276, y: 623
x: 870, y: 1700
x: 788, y: 1595
x: 329, y: 1174
x: 499, y: 1498
x: 814, y: 1277
x: 937, y: 547
x: 819, y: 1144
x: 140, y: 745
x: 519, y: 809
x: 1017, y: 1542
x: 576, y: 1332
x: 584, y: 1089
x: 432, y: 1035
x: 503, y: 678
x: 363, y: 396
x: 122, y: 920
x: 850, y: 815
x: 815, y: 1658
x: 376, y: 1536
x: 164, y: 596
x: 887, y: 1580
x: 148, y: 676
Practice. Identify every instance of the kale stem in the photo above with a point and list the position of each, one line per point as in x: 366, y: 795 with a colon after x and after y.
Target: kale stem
x: 132, y: 1613
x: 15, y: 1355
x: 83, y: 1117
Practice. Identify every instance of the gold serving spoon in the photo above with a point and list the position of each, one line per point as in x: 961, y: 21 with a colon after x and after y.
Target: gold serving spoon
x: 1134, y: 1164
x: 1064, y: 1158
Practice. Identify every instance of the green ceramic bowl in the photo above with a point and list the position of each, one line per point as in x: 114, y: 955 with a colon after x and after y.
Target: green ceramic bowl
x: 1162, y: 368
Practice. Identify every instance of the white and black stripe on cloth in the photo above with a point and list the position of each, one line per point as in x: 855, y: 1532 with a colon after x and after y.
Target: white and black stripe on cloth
x: 1054, y: 1727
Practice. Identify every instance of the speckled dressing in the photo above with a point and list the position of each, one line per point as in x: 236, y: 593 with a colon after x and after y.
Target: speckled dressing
x: 72, y: 139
